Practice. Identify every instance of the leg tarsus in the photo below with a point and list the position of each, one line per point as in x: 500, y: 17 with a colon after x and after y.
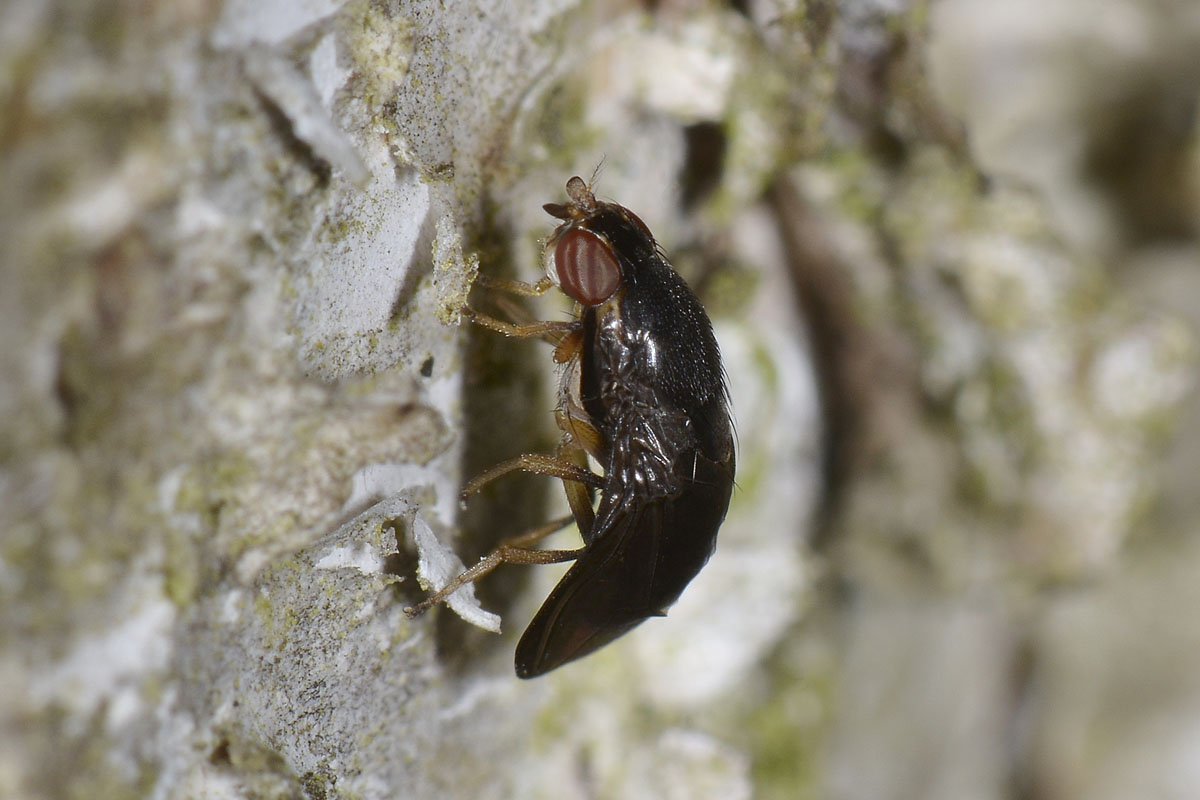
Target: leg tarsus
x: 553, y: 332
x: 553, y: 466
x: 515, y: 287
x: 511, y: 551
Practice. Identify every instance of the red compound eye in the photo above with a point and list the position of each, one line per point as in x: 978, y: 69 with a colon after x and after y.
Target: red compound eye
x: 587, y: 269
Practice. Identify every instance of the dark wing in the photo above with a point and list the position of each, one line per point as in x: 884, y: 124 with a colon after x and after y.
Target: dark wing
x: 643, y: 555
x: 602, y: 596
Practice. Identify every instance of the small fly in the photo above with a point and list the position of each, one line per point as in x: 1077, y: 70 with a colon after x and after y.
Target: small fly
x: 644, y: 394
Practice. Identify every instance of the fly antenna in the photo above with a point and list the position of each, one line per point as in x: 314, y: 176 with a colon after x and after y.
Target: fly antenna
x: 596, y: 171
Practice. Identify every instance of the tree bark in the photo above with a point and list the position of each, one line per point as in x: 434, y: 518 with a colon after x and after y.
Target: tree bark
x: 237, y: 239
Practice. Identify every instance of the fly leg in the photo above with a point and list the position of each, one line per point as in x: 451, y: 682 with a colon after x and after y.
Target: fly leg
x: 567, y: 337
x: 515, y: 287
x: 568, y: 464
x: 516, y: 550
x: 554, y: 466
x: 553, y: 332
x: 579, y: 493
x: 578, y: 482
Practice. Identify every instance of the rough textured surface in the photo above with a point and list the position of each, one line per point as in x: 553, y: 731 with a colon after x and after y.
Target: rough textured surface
x: 950, y: 249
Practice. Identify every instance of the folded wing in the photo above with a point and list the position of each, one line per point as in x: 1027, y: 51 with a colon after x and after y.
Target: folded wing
x: 643, y: 555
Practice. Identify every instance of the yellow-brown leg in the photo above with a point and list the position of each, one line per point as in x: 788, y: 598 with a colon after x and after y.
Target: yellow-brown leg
x: 516, y: 550
x: 554, y: 466
x: 569, y: 464
x: 515, y: 287
x: 553, y: 332
x: 579, y: 494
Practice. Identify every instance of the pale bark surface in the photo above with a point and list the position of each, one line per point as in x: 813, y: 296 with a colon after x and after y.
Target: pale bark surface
x: 951, y: 252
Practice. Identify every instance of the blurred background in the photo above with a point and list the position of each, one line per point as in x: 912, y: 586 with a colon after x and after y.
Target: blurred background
x: 952, y: 253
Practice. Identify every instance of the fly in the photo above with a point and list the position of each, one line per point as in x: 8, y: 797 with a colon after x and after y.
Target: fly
x: 643, y: 393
